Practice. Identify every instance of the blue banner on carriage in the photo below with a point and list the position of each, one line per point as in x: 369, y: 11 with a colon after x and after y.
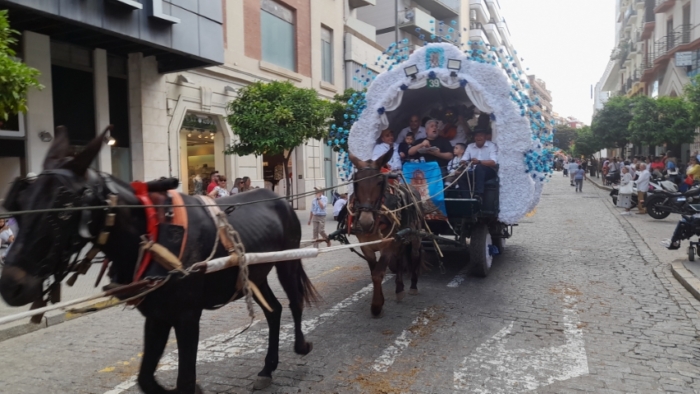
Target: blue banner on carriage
x: 427, y: 179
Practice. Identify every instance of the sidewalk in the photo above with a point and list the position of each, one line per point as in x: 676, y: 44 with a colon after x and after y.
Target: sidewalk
x: 84, y: 286
x: 654, y: 231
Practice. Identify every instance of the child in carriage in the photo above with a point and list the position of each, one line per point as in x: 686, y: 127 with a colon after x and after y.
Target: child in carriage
x: 384, y: 143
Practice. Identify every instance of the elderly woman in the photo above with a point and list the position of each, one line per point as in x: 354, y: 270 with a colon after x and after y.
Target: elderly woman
x: 384, y: 143
x: 624, y: 198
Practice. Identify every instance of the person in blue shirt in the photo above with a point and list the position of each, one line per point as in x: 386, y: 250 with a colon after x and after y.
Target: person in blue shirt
x: 317, y: 216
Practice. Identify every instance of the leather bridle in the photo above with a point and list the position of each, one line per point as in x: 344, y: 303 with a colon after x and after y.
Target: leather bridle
x: 375, y: 207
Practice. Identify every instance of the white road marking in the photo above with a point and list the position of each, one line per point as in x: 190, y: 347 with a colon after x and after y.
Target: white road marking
x: 458, y: 279
x: 227, y: 345
x: 386, y: 360
x: 494, y: 369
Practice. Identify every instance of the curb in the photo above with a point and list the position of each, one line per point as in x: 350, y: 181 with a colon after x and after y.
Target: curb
x: 50, y: 321
x: 599, y: 186
x: 686, y: 278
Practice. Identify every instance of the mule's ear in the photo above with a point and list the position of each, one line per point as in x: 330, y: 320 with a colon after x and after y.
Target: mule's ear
x: 381, y: 162
x: 82, y: 161
x: 355, y: 161
x: 59, y: 149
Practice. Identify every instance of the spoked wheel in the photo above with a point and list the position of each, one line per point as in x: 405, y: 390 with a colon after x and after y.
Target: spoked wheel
x: 480, y: 250
x: 653, y: 204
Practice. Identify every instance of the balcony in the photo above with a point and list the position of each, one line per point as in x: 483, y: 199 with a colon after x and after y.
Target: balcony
x: 664, y: 5
x: 494, y: 9
x: 441, y: 9
x: 418, y: 23
x: 361, y: 3
x: 649, y: 19
x: 361, y: 28
x: 481, y: 9
x: 493, y: 34
x: 478, y: 35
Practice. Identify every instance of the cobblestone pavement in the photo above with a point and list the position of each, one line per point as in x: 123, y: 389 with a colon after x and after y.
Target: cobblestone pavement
x: 578, y: 303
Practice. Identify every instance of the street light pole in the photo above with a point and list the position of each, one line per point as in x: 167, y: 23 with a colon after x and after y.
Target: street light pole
x: 396, y: 21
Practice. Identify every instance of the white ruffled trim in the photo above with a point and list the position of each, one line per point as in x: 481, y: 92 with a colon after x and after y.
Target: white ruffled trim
x: 489, y: 89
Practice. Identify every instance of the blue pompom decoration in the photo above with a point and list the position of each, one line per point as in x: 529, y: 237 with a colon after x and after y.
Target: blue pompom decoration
x: 381, y: 111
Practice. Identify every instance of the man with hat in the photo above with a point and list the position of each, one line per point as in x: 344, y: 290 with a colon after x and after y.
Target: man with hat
x: 483, y: 156
x: 317, y: 216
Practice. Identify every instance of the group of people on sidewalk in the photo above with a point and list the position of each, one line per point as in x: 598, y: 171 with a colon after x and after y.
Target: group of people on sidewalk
x: 624, y: 198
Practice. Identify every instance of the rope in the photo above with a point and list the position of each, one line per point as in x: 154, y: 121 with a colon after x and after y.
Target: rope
x: 240, y: 204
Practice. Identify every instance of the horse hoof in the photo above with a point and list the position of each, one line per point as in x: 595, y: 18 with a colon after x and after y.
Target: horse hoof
x: 413, y: 292
x: 198, y: 389
x: 377, y: 314
x: 400, y: 296
x: 304, y: 350
x: 262, y: 382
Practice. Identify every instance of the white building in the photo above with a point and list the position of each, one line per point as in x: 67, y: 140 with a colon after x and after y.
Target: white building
x: 656, y: 52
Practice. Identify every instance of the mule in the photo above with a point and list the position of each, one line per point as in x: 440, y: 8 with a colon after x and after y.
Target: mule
x: 46, y: 241
x: 370, y: 192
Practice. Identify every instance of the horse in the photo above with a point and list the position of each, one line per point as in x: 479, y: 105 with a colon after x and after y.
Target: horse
x: 371, y: 192
x: 47, y: 240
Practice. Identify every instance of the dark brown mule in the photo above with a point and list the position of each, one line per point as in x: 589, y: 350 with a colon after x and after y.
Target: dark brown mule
x: 371, y: 192
x: 47, y: 240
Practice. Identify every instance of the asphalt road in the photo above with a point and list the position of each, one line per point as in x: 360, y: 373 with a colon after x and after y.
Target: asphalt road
x: 579, y: 302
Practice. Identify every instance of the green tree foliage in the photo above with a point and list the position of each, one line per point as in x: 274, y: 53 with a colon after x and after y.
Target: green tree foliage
x: 692, y: 95
x: 564, y: 137
x: 276, y: 117
x: 16, y: 78
x: 665, y: 120
x: 610, y: 125
x: 586, y: 142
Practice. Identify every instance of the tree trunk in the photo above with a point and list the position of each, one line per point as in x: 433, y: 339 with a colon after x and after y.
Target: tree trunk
x: 286, y: 175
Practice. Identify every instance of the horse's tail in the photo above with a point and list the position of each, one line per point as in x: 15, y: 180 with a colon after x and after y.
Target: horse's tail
x: 308, y: 291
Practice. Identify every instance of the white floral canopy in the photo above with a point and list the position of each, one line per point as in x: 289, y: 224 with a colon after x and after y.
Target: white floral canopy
x: 393, y: 97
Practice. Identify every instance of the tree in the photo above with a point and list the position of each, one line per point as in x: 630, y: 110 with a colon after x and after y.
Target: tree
x: 586, y: 142
x: 644, y: 126
x: 665, y: 120
x: 692, y: 96
x: 611, y: 124
x: 276, y: 117
x: 16, y: 78
x: 564, y: 137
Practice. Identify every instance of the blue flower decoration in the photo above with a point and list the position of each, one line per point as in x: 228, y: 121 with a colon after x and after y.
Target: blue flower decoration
x: 381, y: 111
x: 463, y: 82
x: 431, y: 75
x: 404, y: 87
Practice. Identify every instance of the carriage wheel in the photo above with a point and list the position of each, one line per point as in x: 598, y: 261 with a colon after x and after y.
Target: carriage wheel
x: 480, y: 253
x: 691, y: 253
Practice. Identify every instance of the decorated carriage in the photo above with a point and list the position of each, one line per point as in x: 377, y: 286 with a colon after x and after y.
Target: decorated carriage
x: 438, y: 79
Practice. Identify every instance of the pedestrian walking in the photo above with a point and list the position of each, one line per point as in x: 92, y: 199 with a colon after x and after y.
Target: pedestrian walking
x: 624, y: 196
x: 573, y: 167
x: 579, y: 176
x: 644, y: 176
x: 317, y: 216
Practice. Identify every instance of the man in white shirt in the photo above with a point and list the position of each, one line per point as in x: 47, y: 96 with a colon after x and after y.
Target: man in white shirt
x: 338, y: 206
x: 483, y: 155
x: 573, y: 167
x: 642, y: 187
x: 413, y: 127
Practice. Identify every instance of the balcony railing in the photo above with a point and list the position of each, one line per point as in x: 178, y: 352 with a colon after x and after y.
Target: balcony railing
x: 682, y: 35
x: 664, y: 5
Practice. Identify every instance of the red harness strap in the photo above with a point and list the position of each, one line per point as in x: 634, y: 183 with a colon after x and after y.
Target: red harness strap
x: 141, y: 192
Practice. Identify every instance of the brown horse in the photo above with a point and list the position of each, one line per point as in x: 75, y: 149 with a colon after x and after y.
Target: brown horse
x: 372, y: 194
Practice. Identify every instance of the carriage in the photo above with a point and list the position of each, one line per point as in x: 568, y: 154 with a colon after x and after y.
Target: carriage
x: 441, y: 77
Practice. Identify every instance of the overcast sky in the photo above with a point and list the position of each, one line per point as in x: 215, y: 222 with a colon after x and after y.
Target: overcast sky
x: 567, y: 43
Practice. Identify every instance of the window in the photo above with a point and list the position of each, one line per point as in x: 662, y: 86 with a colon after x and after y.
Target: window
x: 327, y: 54
x: 277, y: 34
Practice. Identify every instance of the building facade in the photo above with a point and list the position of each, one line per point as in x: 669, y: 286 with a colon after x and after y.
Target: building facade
x: 104, y: 62
x: 657, y: 52
x: 163, y: 72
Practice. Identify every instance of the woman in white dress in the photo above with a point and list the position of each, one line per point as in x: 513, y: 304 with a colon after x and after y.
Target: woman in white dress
x: 624, y: 197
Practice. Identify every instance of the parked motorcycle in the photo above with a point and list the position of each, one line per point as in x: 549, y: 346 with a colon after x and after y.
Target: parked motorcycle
x: 655, y: 185
x: 660, y: 204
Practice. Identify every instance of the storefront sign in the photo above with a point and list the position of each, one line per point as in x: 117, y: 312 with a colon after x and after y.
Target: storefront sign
x: 684, y: 59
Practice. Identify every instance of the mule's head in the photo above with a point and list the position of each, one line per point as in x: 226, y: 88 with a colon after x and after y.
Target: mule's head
x: 369, y: 185
x: 46, y: 240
